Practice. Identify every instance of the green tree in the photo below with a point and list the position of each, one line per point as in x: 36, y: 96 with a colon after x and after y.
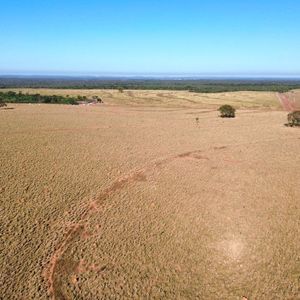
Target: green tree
x: 227, y: 111
x: 2, y: 103
x: 294, y: 118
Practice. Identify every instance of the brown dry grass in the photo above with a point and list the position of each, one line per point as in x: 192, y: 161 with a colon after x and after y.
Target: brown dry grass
x: 142, y: 202
x: 257, y: 100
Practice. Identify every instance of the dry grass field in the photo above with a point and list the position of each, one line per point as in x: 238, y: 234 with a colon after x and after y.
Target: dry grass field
x: 184, y: 99
x: 134, y: 199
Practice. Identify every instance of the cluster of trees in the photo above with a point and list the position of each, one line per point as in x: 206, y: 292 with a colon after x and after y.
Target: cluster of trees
x: 193, y: 85
x: 13, y: 97
x: 93, y: 99
x: 2, y: 103
x: 234, y: 87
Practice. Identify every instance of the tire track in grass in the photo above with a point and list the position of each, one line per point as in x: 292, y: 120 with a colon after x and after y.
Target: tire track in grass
x: 57, y: 265
x: 286, y: 102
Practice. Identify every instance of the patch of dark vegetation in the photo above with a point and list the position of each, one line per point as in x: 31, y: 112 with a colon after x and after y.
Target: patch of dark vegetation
x: 227, y: 111
x: 93, y: 99
x: 97, y: 99
x: 293, y: 119
x: 2, y: 103
x: 12, y: 97
x: 192, y: 85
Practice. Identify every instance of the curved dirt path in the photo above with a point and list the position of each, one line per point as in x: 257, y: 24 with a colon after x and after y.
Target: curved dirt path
x: 286, y: 102
x: 93, y: 206
x: 57, y: 265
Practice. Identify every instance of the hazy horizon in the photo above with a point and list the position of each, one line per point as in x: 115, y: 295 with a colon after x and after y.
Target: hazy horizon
x: 148, y: 76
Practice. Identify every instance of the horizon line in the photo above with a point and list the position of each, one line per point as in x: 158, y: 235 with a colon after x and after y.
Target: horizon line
x: 152, y: 75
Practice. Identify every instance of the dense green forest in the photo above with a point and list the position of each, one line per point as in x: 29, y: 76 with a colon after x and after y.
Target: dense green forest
x: 193, y: 85
x: 12, y: 97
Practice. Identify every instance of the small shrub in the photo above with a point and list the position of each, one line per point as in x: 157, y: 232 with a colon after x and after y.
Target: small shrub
x: 121, y: 90
x: 227, y: 111
x: 97, y: 99
x: 293, y: 118
x: 2, y: 103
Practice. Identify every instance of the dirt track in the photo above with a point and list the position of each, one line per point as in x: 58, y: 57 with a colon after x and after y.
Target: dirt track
x: 114, y: 201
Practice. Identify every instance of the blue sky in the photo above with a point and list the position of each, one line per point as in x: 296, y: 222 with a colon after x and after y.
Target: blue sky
x: 246, y: 37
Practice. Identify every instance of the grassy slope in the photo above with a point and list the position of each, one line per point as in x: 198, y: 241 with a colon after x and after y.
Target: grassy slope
x: 256, y: 100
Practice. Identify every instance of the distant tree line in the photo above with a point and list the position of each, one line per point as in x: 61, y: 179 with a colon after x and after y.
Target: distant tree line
x: 192, y: 85
x: 13, y: 97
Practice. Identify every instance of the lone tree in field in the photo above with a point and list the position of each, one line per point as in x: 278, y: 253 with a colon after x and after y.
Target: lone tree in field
x: 2, y: 103
x: 293, y: 118
x: 227, y: 111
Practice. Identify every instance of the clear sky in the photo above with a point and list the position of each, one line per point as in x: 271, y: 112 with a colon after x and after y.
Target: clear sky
x: 234, y: 37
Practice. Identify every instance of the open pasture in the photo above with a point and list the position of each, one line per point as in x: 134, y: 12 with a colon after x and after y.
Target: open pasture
x: 184, y: 99
x: 134, y: 199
